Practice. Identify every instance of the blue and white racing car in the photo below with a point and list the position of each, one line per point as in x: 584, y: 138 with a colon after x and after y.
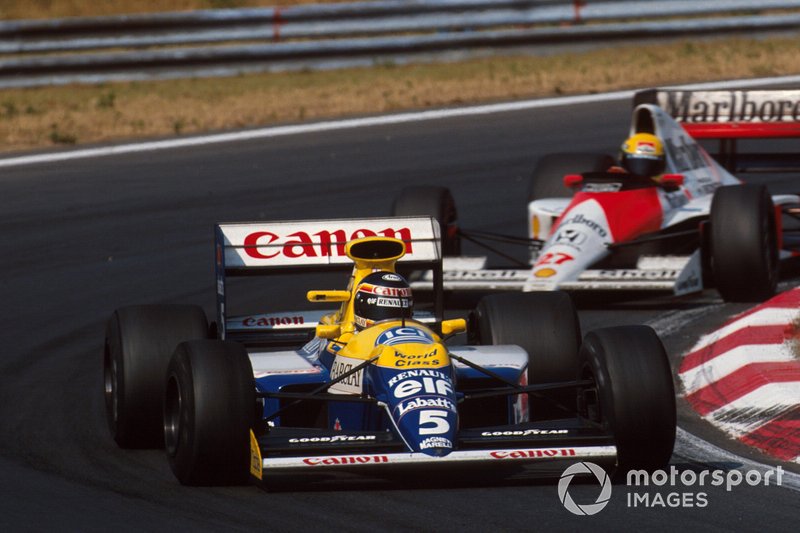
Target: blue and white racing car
x: 377, y: 381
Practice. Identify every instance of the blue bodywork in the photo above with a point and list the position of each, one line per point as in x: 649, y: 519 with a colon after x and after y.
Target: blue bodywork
x: 418, y: 405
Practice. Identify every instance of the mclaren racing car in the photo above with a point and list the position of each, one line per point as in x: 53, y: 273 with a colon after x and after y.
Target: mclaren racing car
x: 377, y: 381
x: 688, y: 225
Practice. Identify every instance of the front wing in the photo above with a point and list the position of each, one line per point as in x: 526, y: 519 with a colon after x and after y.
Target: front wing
x: 542, y: 451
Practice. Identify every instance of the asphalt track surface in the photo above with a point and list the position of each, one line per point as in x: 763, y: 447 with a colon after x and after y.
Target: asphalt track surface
x: 82, y: 237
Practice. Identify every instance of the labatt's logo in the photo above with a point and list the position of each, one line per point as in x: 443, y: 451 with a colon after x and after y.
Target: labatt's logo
x: 269, y: 245
x: 732, y: 106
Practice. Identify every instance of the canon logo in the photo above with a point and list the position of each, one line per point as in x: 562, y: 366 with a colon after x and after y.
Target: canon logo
x: 272, y: 321
x: 346, y: 460
x: 268, y: 245
x: 532, y: 454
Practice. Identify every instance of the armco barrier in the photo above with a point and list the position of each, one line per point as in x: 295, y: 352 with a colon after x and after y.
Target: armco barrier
x: 194, y: 43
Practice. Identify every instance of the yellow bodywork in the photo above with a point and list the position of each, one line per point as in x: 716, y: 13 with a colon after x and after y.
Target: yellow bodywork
x: 256, y: 462
x: 340, y: 326
x: 363, y: 267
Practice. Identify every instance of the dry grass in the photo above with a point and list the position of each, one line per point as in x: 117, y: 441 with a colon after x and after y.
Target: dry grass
x: 37, y: 118
x: 37, y: 9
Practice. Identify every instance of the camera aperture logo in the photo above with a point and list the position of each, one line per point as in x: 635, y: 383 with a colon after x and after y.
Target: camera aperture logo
x: 584, y: 468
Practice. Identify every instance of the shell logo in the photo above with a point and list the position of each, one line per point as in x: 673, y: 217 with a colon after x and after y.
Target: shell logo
x: 544, y: 273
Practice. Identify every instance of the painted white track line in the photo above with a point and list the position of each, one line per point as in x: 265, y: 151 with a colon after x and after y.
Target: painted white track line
x: 282, y: 131
x: 769, y: 316
x: 732, y: 360
x: 743, y: 415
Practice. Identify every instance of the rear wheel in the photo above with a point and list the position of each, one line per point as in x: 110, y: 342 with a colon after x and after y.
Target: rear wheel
x: 208, y: 413
x: 547, y: 180
x: 436, y: 202
x: 743, y: 240
x: 631, y: 394
x: 139, y: 342
x: 546, y: 326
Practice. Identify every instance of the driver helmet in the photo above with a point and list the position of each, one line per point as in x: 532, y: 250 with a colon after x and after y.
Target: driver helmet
x: 643, y: 155
x: 382, y: 296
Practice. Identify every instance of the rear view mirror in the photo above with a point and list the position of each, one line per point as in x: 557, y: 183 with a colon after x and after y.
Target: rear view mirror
x: 671, y: 182
x: 455, y: 325
x: 328, y: 296
x: 573, y: 181
x: 328, y: 331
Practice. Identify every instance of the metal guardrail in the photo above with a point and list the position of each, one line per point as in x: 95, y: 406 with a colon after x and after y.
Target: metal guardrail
x: 165, y: 45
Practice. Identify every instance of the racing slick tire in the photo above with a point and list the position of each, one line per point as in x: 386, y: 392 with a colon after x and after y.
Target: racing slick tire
x: 209, y: 408
x: 546, y: 326
x: 631, y: 394
x: 436, y: 202
x: 547, y: 180
x: 138, y: 344
x: 744, y: 243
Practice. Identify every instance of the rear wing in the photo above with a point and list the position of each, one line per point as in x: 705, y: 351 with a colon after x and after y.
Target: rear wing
x: 302, y: 246
x: 729, y: 116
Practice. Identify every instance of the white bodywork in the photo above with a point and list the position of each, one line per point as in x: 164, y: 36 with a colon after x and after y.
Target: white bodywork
x: 684, y: 156
x: 577, y: 231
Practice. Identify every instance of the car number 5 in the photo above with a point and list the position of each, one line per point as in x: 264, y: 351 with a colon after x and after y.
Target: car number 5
x: 436, y: 419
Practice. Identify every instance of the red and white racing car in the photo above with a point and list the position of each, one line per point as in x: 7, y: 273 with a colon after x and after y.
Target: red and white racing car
x: 695, y: 225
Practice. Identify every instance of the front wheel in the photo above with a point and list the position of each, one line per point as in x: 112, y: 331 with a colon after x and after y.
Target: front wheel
x: 631, y: 394
x: 208, y: 413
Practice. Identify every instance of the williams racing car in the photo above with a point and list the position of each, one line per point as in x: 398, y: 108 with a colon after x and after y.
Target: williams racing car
x: 378, y: 381
x: 669, y: 218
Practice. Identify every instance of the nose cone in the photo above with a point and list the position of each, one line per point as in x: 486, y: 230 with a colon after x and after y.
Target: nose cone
x: 427, y: 423
x: 579, y: 239
x: 423, y: 406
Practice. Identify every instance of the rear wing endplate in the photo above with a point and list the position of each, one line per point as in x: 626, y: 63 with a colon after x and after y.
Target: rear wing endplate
x: 728, y: 116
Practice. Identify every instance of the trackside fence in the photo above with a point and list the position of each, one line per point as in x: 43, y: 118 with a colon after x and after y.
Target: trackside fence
x: 230, y: 41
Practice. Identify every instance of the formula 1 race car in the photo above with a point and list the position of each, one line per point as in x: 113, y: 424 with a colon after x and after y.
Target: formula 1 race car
x: 692, y: 226
x: 310, y: 391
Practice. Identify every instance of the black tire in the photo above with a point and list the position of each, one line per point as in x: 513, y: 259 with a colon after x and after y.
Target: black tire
x: 547, y: 180
x: 632, y: 395
x: 436, y: 202
x: 546, y: 326
x: 208, y: 413
x: 744, y: 247
x: 139, y: 342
